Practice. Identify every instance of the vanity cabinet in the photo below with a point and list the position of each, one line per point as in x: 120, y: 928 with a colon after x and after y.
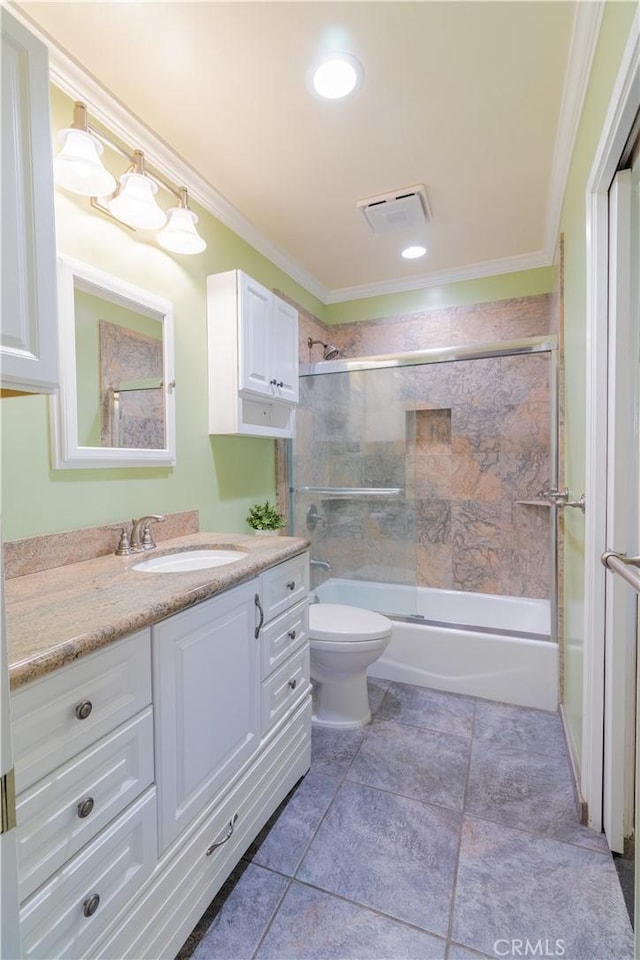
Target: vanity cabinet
x: 86, y: 803
x: 253, y: 358
x: 134, y: 809
x: 28, y: 339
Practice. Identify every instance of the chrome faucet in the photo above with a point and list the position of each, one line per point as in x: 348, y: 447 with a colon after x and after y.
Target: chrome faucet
x: 322, y: 564
x: 141, y: 538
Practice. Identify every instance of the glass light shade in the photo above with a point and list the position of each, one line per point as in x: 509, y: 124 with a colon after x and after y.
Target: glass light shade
x: 135, y: 204
x: 180, y: 234
x: 78, y: 167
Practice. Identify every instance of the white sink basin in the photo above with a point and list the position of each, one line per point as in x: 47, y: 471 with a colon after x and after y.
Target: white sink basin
x: 189, y: 560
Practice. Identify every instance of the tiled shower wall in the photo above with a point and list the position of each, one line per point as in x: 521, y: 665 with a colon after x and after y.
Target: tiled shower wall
x: 463, y: 441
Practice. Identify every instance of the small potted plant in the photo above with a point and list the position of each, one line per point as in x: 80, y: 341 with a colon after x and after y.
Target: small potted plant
x: 265, y: 518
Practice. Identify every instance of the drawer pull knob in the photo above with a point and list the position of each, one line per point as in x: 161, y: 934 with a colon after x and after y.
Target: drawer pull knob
x: 83, y: 709
x: 91, y: 904
x: 293, y: 684
x: 292, y: 634
x: 85, y: 807
x: 291, y: 585
x: 227, y: 836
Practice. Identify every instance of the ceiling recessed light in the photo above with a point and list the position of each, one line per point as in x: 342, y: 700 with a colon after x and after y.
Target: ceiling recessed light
x: 413, y: 252
x: 337, y: 76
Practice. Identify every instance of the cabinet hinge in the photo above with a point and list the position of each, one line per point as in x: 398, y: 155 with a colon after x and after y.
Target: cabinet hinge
x: 7, y: 801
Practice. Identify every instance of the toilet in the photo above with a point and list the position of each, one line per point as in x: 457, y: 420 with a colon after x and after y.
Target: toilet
x: 344, y: 641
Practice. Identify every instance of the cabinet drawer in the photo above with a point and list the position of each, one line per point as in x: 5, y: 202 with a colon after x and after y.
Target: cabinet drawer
x: 110, y: 686
x: 284, y: 585
x: 53, y: 822
x: 284, y: 688
x: 282, y: 636
x: 54, y: 921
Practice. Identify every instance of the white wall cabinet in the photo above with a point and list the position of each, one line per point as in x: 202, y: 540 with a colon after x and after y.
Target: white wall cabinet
x: 253, y: 358
x: 133, y: 811
x: 28, y: 338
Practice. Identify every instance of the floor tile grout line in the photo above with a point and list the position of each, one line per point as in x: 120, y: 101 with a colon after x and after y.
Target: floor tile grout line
x: 534, y: 833
x: 371, y: 909
x: 454, y: 885
x: 271, y: 919
x: 415, y: 726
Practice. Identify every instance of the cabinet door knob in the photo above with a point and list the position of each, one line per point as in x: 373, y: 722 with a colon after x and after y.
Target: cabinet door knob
x: 293, y: 684
x: 85, y: 807
x: 91, y: 904
x: 292, y: 634
x: 273, y: 382
x: 83, y: 709
x: 291, y: 585
x: 280, y: 383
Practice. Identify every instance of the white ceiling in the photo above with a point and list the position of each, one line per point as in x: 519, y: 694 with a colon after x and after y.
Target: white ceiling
x: 463, y: 97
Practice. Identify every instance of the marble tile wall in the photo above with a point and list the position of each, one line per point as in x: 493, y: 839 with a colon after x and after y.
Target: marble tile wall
x: 464, y: 441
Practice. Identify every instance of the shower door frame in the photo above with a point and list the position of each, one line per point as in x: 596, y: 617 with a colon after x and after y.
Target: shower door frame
x: 547, y: 343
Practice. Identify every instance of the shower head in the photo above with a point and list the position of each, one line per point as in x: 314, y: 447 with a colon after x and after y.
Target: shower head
x: 329, y: 352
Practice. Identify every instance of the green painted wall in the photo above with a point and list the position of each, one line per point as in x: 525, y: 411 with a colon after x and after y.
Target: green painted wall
x: 220, y: 476
x: 614, y: 32
x: 523, y: 283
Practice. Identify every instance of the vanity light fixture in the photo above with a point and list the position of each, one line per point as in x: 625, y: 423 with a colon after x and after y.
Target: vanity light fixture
x: 132, y: 201
x: 180, y: 234
x: 78, y: 166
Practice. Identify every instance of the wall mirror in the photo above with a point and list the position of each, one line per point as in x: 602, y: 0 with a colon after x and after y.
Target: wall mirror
x: 115, y: 407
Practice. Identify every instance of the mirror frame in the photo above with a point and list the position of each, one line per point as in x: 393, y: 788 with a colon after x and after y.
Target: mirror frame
x: 66, y: 450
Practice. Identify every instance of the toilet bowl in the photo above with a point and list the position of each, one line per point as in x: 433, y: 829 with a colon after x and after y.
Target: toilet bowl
x: 344, y: 641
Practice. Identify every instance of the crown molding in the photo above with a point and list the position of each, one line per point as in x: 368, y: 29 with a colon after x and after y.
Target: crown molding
x: 584, y: 40
x: 72, y: 78
x: 473, y: 271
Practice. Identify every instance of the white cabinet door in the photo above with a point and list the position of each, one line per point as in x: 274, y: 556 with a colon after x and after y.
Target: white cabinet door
x: 254, y: 336
x: 283, y: 344
x: 206, y: 668
x: 28, y: 342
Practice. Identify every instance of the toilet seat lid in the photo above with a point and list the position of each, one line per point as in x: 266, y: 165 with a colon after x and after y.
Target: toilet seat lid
x: 335, y: 621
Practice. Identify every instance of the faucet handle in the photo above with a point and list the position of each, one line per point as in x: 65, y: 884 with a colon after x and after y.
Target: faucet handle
x: 148, y: 543
x: 124, y: 547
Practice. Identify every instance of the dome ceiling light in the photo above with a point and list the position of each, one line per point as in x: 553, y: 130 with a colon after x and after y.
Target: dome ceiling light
x: 414, y: 251
x: 337, y: 76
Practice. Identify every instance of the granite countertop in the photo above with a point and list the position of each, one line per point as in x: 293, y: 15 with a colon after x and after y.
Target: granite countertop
x: 57, y: 615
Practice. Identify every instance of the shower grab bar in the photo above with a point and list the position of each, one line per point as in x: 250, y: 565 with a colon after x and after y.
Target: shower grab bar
x: 619, y: 563
x: 352, y: 491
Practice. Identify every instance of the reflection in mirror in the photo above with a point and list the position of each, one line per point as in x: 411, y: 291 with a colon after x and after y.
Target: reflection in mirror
x: 116, y: 399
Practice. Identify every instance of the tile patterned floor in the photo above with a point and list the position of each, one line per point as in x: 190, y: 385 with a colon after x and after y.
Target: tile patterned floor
x: 444, y: 830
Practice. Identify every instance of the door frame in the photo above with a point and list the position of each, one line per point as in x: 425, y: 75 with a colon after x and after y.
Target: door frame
x: 623, y: 107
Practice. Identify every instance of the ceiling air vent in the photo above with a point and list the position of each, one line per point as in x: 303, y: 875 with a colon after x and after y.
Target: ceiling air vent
x: 400, y: 210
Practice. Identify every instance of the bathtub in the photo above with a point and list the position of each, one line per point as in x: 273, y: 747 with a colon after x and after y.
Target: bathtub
x: 478, y: 644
